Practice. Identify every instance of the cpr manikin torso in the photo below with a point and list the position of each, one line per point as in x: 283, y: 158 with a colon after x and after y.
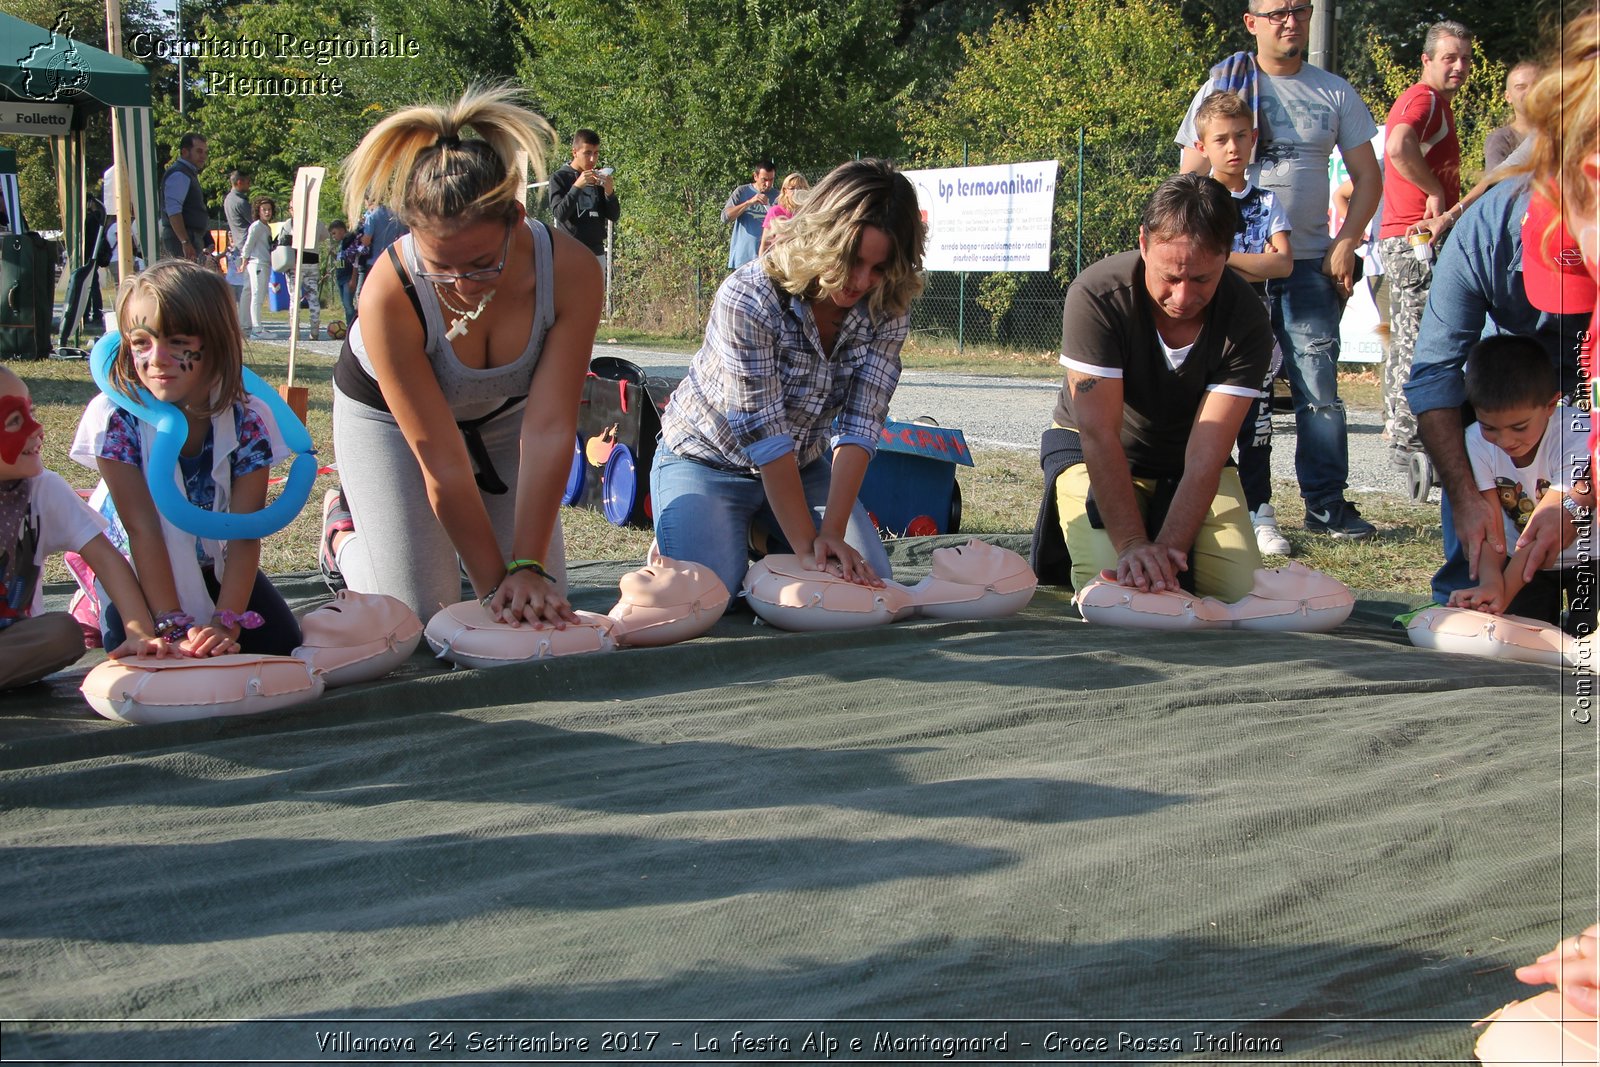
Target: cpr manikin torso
x: 662, y: 603
x: 1478, y: 633
x: 1293, y: 598
x: 357, y: 638
x: 971, y: 581
x: 1541, y: 1029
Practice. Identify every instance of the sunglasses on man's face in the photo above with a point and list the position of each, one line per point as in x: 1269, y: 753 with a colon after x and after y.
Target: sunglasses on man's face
x: 1284, y: 14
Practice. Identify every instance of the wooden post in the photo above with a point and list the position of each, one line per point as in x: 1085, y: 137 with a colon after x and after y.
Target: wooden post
x: 303, y: 236
x: 119, y: 155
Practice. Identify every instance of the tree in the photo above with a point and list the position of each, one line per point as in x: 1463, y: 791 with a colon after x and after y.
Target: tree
x: 1123, y: 73
x: 85, y: 21
x: 292, y: 95
x: 687, y: 93
x: 1505, y: 33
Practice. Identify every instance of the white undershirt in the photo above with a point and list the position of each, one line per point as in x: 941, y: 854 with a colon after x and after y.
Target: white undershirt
x: 1174, y: 356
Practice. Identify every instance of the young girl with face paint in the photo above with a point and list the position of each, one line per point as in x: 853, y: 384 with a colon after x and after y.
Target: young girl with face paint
x: 39, y: 516
x: 180, y: 340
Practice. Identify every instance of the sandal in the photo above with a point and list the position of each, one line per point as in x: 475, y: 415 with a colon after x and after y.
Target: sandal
x: 335, y: 520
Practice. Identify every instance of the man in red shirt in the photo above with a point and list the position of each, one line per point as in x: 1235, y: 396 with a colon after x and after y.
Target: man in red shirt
x: 1422, y: 179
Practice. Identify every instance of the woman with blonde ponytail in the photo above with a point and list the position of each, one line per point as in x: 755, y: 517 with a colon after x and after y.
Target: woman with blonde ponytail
x: 456, y: 395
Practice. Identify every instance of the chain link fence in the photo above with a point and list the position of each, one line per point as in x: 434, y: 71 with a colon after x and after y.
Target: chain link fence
x: 671, y: 250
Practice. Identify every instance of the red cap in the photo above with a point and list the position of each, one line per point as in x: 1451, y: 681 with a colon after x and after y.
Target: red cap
x: 1553, y: 273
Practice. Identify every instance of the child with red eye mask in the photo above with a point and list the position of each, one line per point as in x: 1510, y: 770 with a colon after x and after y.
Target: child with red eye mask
x: 41, y: 515
x: 180, y: 342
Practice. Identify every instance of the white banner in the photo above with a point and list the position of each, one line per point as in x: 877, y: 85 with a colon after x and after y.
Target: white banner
x: 987, y: 218
x: 307, y: 198
x: 40, y: 120
x: 1363, y: 334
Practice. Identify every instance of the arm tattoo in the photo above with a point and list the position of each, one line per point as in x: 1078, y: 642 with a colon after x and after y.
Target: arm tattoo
x: 1082, y: 383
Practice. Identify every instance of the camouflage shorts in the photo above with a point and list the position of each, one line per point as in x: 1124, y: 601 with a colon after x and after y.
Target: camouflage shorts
x: 1408, y: 280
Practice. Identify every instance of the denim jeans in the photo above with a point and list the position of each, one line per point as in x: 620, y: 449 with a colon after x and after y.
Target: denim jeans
x: 1305, y: 315
x: 344, y: 280
x: 1255, y: 451
x: 1454, y: 573
x: 704, y: 514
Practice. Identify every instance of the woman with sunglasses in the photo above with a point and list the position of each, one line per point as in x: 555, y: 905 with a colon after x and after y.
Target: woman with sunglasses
x: 456, y: 395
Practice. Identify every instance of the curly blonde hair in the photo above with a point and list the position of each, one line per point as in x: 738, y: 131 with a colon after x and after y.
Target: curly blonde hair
x: 418, y: 163
x: 1564, y: 108
x: 813, y: 251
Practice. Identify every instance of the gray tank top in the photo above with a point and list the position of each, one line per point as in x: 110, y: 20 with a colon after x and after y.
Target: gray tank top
x: 472, y: 392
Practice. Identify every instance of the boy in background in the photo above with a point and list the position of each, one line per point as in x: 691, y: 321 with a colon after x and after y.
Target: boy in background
x: 1528, y: 453
x: 1261, y: 250
x: 341, y: 249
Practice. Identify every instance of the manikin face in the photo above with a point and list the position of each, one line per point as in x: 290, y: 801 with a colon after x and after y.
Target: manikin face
x: 660, y: 585
x: 974, y: 563
x: 21, y: 436
x: 1181, y: 276
x: 866, y: 271
x: 1447, y: 69
x: 172, y: 366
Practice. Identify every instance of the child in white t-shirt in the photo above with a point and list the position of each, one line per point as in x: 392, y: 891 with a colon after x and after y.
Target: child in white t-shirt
x: 40, y: 515
x: 1529, y: 454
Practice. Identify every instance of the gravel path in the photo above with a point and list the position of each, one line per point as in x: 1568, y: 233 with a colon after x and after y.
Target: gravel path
x: 1011, y: 413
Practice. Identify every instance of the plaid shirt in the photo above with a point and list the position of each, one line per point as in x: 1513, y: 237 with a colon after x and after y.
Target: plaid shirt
x: 760, y: 387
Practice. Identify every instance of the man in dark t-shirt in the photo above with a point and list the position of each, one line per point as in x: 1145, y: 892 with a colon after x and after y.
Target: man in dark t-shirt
x: 1165, y: 349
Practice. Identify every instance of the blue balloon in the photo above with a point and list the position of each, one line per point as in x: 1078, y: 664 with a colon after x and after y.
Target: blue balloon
x: 172, y: 430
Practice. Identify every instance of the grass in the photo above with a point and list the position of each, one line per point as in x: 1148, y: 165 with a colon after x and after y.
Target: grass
x: 930, y: 352
x: 1000, y: 494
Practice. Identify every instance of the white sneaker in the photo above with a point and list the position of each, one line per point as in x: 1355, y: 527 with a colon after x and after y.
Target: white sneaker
x: 1269, y: 540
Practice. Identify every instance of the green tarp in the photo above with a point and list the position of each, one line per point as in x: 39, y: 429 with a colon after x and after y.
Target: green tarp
x: 924, y: 833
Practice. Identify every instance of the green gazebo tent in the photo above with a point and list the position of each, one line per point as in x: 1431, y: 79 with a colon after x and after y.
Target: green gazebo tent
x: 49, y: 86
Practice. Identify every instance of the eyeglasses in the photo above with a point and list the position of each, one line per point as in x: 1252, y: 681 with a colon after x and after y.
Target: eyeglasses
x: 490, y: 274
x: 1283, y: 15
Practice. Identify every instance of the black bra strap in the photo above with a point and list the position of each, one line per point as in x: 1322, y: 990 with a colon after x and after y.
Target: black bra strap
x: 405, y: 280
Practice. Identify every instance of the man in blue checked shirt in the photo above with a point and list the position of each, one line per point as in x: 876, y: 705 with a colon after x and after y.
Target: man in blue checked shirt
x: 783, y: 404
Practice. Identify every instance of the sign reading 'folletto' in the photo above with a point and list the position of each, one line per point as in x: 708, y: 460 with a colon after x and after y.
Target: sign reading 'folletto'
x: 29, y: 117
x: 987, y: 218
